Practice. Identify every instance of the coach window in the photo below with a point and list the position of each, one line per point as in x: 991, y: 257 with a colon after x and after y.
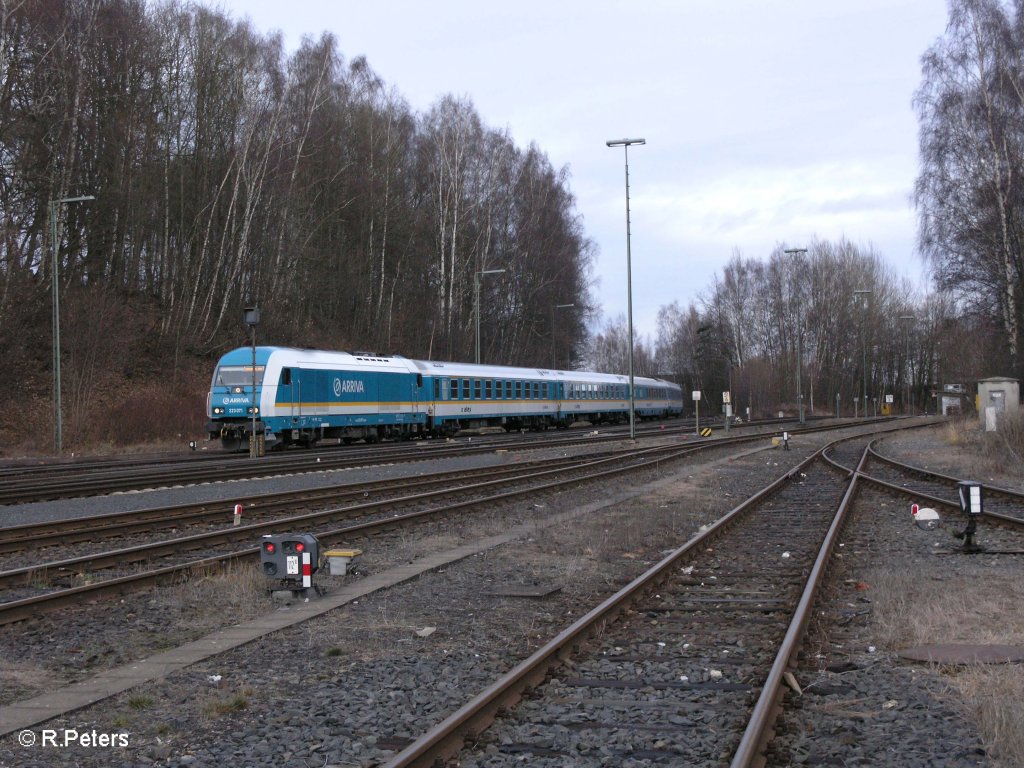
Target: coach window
x: 437, y: 389
x: 487, y: 389
x: 476, y: 389
x: 465, y: 389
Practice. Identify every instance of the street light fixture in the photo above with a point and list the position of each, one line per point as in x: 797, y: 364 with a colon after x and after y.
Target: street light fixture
x: 476, y: 303
x: 626, y: 144
x: 556, y: 307
x: 800, y: 348
x: 864, y: 346
x: 58, y: 433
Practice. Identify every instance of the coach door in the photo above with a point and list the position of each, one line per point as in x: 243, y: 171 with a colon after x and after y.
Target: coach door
x: 291, y: 391
x: 418, y: 398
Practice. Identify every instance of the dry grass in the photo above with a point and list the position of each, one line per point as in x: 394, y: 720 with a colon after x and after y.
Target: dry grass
x: 209, y: 593
x: 986, y: 609
x: 20, y: 680
x: 216, y: 705
x: 995, y: 457
x: 1007, y: 442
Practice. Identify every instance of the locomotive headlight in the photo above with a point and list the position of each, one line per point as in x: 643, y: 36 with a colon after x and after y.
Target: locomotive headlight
x: 253, y: 410
x: 218, y: 411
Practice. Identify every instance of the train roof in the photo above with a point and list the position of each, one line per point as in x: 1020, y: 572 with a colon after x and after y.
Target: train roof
x: 459, y: 370
x: 288, y: 356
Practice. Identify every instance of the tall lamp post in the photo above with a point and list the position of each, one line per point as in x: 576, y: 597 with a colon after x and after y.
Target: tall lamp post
x: 476, y: 304
x: 58, y: 433
x: 626, y: 144
x: 252, y: 319
x: 555, y: 308
x: 800, y: 345
x: 908, y: 320
x: 864, y: 293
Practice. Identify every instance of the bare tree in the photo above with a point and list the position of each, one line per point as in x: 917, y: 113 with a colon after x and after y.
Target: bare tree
x: 969, y: 193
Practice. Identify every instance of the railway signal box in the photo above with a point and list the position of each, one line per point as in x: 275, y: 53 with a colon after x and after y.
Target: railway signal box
x: 292, y: 558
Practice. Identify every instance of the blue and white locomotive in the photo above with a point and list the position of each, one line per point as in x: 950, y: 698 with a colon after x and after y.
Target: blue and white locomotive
x: 303, y: 396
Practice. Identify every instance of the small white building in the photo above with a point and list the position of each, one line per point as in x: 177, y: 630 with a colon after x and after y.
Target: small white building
x: 999, y: 393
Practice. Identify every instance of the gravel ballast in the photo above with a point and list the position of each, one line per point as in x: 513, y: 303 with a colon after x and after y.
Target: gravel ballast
x: 349, y: 688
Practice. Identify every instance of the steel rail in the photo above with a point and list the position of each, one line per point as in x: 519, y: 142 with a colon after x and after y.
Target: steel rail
x: 445, y: 739
x: 759, y: 731
x: 17, y: 610
x: 998, y: 518
x: 22, y: 485
x: 93, y: 527
x: 108, y: 478
x: 948, y: 479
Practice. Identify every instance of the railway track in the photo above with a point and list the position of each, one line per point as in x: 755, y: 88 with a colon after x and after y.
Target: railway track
x: 48, y: 482
x: 51, y: 584
x: 935, y: 487
x: 754, y: 597
x: 697, y: 645
x: 689, y: 662
x: 202, y: 516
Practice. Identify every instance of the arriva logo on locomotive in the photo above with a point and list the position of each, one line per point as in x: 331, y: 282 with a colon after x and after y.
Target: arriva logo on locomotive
x: 348, y: 386
x: 229, y: 400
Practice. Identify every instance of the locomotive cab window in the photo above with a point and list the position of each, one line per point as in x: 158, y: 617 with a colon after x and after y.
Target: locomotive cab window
x: 238, y: 375
x: 286, y: 376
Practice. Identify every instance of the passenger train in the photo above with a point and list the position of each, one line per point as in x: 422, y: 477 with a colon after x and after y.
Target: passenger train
x: 304, y: 396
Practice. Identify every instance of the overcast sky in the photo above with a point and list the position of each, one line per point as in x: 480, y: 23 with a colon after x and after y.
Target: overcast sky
x: 766, y: 122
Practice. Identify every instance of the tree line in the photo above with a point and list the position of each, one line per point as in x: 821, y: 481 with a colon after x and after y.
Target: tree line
x: 830, y: 321
x: 970, y: 189
x: 227, y: 173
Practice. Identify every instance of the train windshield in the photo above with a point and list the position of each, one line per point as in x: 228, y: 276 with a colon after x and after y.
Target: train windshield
x: 237, y: 376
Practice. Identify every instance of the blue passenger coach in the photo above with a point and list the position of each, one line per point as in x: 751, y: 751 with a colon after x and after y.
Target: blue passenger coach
x: 303, y: 396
